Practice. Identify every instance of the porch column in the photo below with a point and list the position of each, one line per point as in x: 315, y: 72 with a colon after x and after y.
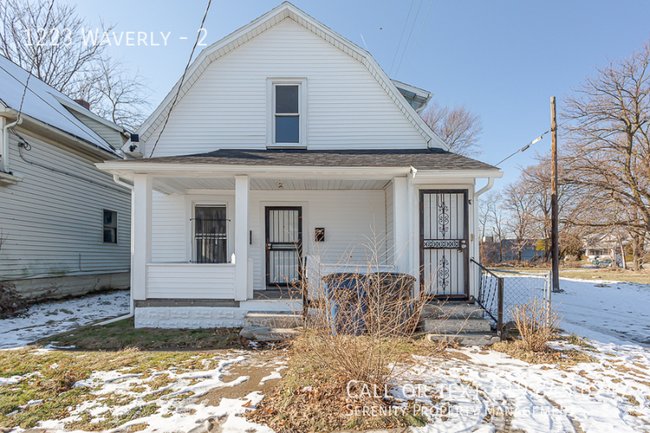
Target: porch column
x: 242, y: 202
x: 141, y: 235
x: 400, y: 225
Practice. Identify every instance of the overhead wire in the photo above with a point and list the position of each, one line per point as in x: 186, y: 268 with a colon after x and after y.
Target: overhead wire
x: 400, y: 38
x: 409, y: 38
x: 180, y: 85
x: 418, y: 39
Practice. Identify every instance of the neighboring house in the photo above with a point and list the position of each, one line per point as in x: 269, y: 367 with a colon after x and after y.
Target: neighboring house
x: 65, y: 226
x: 289, y: 149
x: 606, y: 247
x: 509, y: 250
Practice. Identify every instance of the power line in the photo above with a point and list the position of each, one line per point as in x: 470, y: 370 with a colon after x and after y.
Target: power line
x: 409, y: 38
x: 523, y: 149
x: 400, y: 38
x: 178, y: 91
x: 417, y: 40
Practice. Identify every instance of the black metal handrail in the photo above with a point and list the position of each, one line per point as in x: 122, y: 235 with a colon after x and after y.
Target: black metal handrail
x: 490, y: 294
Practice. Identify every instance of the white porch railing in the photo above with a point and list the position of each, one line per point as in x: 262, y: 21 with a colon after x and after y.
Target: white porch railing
x: 190, y: 281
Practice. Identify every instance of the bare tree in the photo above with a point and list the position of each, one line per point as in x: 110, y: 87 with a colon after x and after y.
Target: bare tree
x: 457, y: 126
x: 52, y: 45
x: 518, y: 204
x: 608, y: 136
x: 115, y: 95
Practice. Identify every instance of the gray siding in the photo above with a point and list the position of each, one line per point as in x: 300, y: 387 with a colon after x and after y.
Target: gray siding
x: 53, y: 223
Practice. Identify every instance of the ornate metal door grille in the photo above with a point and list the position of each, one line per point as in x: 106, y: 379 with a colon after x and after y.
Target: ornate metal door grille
x: 283, y: 245
x: 444, y: 257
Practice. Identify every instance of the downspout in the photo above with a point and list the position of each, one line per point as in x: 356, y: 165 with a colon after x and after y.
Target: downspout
x: 486, y: 188
x: 5, y: 143
x: 117, y: 180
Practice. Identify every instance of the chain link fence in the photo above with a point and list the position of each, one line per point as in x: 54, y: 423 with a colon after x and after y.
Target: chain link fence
x: 501, y: 290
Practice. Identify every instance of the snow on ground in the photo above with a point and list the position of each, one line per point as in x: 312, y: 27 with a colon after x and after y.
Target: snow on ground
x: 179, y: 404
x: 45, y: 319
x: 609, y: 312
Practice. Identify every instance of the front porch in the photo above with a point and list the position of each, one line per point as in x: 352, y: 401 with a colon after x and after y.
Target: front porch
x: 212, y: 242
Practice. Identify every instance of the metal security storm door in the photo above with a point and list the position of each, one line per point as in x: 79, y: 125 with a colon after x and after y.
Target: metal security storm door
x: 283, y: 245
x: 444, y: 256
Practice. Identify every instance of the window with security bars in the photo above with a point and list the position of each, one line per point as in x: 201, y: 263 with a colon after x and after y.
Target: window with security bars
x: 210, y: 234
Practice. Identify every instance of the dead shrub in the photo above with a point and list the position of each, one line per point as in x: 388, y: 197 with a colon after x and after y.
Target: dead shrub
x: 11, y: 303
x: 537, y: 324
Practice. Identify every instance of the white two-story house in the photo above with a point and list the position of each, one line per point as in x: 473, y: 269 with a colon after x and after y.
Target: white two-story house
x: 288, y: 154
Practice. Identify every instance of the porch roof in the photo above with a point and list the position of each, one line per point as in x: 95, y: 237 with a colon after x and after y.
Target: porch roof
x: 420, y: 159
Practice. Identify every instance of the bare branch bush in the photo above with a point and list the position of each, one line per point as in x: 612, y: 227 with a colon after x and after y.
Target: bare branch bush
x: 537, y: 325
x: 362, y: 322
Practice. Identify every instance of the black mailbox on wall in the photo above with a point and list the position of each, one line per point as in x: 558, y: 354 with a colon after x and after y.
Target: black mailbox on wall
x: 319, y: 234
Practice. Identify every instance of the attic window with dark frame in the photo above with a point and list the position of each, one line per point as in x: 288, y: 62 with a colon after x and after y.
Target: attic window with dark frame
x: 110, y: 227
x: 286, y: 112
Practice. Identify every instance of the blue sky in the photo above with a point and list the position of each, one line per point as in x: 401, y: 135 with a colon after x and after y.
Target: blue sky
x: 503, y: 59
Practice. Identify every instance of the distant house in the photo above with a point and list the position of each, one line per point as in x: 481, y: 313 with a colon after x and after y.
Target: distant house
x: 605, y: 247
x: 289, y: 149
x: 65, y: 226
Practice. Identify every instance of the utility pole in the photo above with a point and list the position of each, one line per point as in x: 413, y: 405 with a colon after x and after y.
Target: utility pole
x: 555, y: 247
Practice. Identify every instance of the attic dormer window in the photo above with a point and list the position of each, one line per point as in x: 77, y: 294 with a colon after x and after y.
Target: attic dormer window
x: 286, y: 113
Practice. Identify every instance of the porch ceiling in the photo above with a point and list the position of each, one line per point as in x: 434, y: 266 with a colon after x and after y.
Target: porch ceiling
x: 180, y: 185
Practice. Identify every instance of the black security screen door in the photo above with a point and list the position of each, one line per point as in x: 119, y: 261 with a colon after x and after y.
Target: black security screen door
x: 444, y: 256
x: 283, y: 245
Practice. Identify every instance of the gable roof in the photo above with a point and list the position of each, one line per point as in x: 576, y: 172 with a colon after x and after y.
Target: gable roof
x: 44, y: 104
x: 260, y: 25
x: 421, y: 159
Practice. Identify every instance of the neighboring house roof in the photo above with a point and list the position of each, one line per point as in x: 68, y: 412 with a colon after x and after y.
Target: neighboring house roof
x: 265, y: 22
x: 420, y: 159
x: 47, y: 105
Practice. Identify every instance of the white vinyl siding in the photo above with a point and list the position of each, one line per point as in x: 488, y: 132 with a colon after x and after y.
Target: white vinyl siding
x: 169, y: 228
x: 53, y: 223
x: 227, y: 106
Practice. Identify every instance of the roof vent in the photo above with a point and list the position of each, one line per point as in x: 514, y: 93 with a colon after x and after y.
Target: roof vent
x: 83, y: 103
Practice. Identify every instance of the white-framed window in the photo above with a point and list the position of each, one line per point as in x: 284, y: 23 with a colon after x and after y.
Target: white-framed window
x: 287, y: 112
x: 210, y: 234
x: 110, y: 227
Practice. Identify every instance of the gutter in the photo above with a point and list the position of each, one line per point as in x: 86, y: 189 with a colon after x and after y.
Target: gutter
x: 4, y: 149
x: 117, y: 180
x: 486, y: 188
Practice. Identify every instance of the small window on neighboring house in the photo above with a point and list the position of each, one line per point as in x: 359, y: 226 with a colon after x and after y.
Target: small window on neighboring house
x: 210, y: 234
x: 286, y: 110
x: 110, y: 227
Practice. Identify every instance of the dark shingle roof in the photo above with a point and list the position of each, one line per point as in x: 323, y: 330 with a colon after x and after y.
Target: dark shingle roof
x: 421, y: 159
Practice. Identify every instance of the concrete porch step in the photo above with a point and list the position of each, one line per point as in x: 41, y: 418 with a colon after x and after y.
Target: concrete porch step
x: 454, y: 326
x: 452, y: 311
x: 270, y: 319
x: 268, y: 335
x: 466, y: 339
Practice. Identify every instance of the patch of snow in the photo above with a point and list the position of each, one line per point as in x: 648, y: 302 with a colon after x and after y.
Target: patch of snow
x: 45, y: 319
x: 10, y: 380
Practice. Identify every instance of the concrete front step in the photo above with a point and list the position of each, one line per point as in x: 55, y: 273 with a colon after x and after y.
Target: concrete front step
x: 266, y: 319
x: 451, y: 311
x: 467, y: 339
x: 452, y: 326
x: 269, y: 335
